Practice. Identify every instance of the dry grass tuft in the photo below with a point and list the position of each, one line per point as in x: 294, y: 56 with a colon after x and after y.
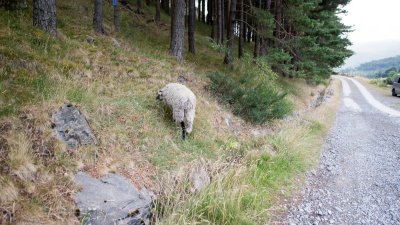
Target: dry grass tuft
x: 21, y: 158
x: 8, y: 191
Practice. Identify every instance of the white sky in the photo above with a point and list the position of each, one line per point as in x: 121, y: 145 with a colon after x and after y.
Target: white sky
x: 376, y: 27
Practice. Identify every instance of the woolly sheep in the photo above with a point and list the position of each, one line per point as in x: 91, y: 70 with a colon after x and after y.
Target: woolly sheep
x: 182, y: 101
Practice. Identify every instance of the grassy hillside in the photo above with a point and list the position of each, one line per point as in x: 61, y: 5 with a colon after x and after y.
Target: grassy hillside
x: 113, y: 80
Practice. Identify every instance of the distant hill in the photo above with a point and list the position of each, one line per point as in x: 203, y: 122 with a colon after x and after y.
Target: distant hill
x: 379, y: 68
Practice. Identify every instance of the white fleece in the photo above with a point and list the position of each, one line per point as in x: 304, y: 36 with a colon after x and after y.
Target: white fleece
x: 182, y: 102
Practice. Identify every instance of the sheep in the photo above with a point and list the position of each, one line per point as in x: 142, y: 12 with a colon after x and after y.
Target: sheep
x: 182, y: 101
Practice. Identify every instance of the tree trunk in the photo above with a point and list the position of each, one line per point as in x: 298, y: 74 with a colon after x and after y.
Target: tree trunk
x: 231, y: 22
x: 44, y: 15
x: 223, y: 9
x: 214, y: 30
x: 14, y: 4
x: 165, y: 5
x: 98, y: 17
x: 242, y: 29
x: 199, y: 10
x: 258, y: 37
x: 158, y: 13
x: 278, y: 18
x: 209, y: 12
x: 220, y: 21
x: 266, y: 42
x: 203, y: 11
x: 177, y: 29
x: 116, y: 18
x: 139, y: 6
x: 249, y: 30
x: 147, y: 2
x: 191, y: 25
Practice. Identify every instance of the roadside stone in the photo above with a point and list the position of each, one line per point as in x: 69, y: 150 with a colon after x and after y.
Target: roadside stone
x: 70, y: 126
x: 112, y: 200
x: 90, y: 39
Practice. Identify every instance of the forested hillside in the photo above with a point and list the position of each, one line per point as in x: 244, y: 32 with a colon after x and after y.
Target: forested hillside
x: 249, y: 63
x: 381, y: 67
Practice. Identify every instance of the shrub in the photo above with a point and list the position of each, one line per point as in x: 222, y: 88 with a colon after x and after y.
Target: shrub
x: 252, y: 97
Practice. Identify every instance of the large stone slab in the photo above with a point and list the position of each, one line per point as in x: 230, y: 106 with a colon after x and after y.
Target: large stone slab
x: 112, y: 200
x: 71, y: 127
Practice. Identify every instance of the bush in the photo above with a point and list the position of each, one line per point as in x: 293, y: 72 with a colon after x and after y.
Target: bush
x: 251, y: 97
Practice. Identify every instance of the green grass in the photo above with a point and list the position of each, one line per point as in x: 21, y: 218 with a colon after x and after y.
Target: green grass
x: 244, y: 192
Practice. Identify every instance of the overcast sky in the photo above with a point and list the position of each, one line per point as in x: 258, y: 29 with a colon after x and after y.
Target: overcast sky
x: 376, y: 27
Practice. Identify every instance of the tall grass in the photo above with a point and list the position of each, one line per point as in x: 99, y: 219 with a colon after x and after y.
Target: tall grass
x: 243, y: 192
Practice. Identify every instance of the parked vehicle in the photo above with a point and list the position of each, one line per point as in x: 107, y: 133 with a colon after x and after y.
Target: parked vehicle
x: 396, y: 86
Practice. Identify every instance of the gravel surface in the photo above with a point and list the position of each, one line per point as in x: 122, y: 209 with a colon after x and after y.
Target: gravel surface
x: 358, y: 179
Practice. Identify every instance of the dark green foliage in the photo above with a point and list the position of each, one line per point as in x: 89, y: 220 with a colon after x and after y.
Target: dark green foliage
x: 256, y: 100
x: 309, y: 41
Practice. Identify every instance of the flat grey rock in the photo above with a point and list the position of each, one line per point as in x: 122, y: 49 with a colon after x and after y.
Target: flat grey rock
x: 71, y: 127
x: 112, y: 200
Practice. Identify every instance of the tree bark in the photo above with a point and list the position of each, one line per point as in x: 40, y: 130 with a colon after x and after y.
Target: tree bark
x: 191, y: 26
x: 220, y: 21
x: 242, y: 30
x: 229, y: 36
x: 44, y: 15
x: 223, y: 21
x: 203, y: 11
x: 177, y: 29
x: 116, y: 18
x: 199, y: 10
x: 249, y: 30
x: 258, y: 37
x: 158, y: 9
x: 278, y: 18
x: 214, y: 30
x: 98, y: 17
x: 265, y: 42
x: 209, y: 12
x: 139, y: 6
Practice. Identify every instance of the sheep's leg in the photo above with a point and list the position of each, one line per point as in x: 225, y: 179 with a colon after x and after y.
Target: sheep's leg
x: 183, y: 130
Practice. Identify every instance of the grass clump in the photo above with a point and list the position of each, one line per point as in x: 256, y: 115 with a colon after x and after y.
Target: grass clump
x: 252, y: 94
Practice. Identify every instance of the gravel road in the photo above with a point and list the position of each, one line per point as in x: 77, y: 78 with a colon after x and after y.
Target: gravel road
x: 358, y: 179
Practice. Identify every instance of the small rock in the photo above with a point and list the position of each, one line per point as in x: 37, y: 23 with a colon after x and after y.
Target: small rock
x: 90, y: 39
x: 71, y: 127
x: 182, y: 79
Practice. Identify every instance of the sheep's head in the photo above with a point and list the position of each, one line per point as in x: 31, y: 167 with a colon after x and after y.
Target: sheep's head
x: 160, y: 95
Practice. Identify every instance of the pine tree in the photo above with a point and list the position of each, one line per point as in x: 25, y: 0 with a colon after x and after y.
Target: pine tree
x: 231, y: 22
x: 98, y: 17
x: 116, y: 16
x: 158, y: 9
x: 44, y: 15
x: 191, y: 26
x: 177, y: 29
